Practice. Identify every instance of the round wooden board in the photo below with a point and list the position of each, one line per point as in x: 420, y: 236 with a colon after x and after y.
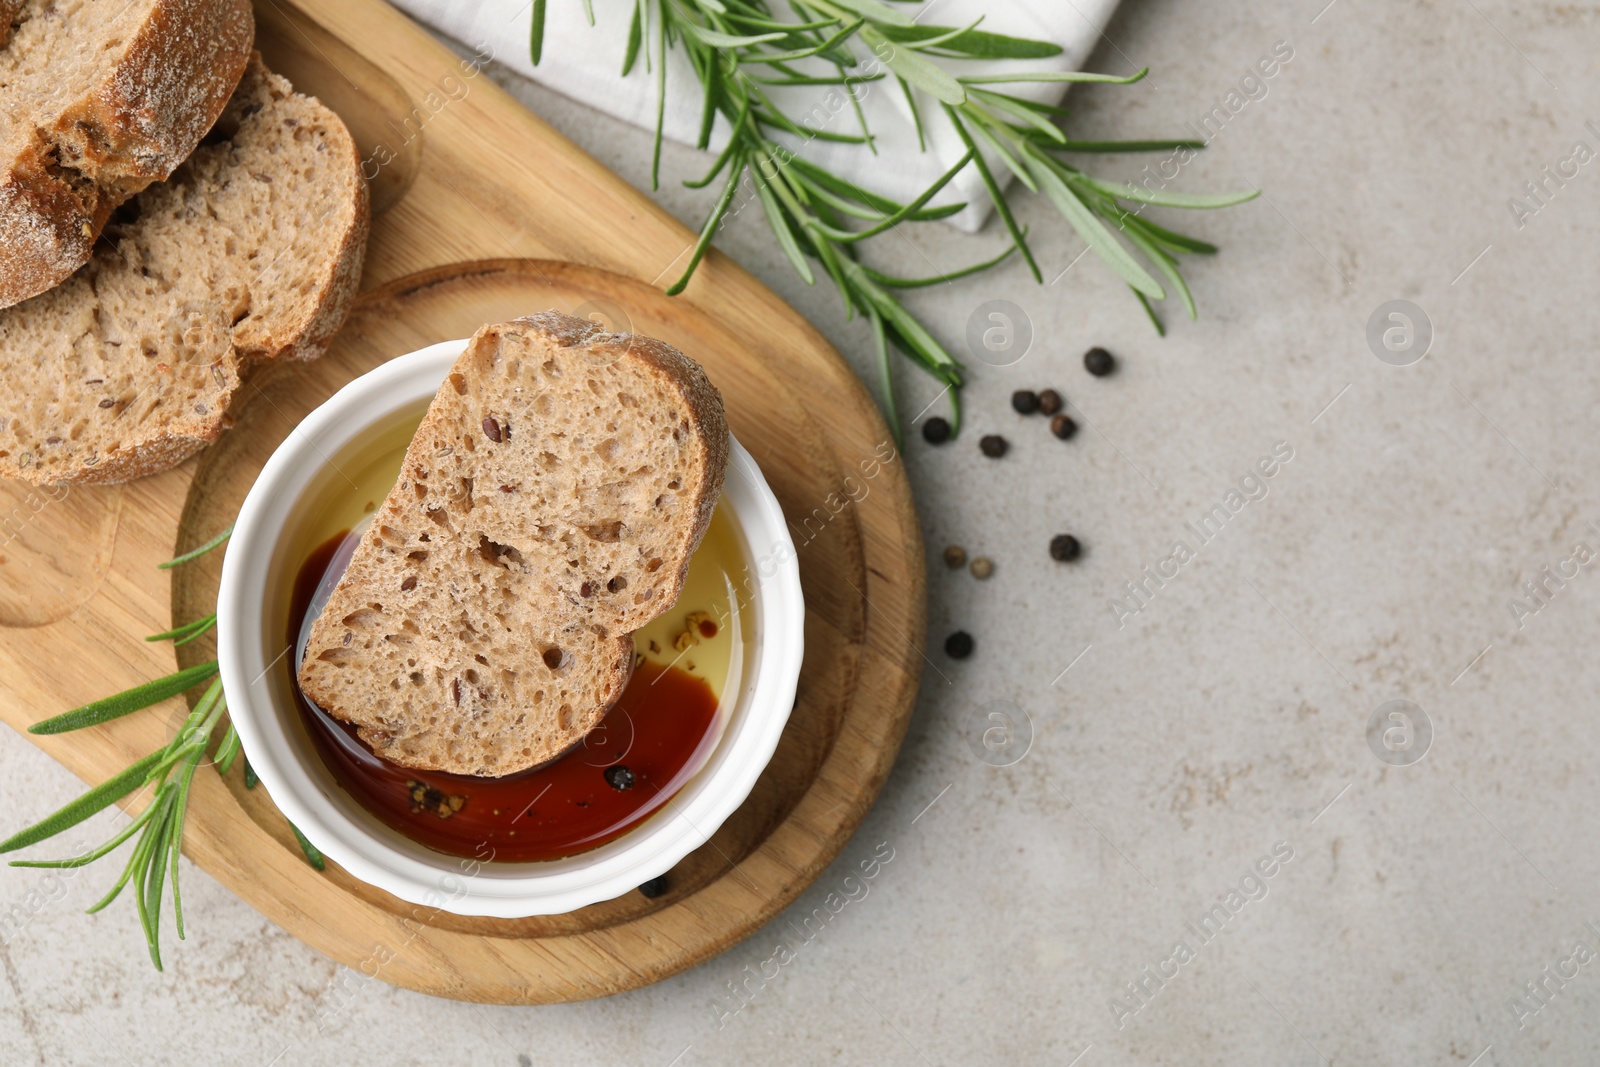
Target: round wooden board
x: 830, y: 462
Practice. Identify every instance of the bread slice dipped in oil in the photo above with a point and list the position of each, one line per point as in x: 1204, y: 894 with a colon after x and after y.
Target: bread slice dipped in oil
x: 99, y: 98
x: 252, y: 251
x: 546, y: 508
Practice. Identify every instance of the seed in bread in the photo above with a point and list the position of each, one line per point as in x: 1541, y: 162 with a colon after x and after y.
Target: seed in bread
x: 99, y: 98
x: 252, y: 251
x: 547, y: 507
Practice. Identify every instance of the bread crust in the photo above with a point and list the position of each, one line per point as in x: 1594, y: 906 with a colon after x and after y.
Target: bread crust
x: 9, y: 10
x: 142, y: 118
x: 340, y: 282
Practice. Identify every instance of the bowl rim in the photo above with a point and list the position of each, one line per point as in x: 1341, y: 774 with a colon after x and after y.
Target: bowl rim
x: 384, y: 858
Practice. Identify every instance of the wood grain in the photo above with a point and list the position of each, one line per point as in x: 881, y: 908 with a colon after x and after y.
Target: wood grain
x: 484, y: 212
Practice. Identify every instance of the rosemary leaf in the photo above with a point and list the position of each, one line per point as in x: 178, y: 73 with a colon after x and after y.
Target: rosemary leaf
x: 916, y: 115
x: 976, y: 44
x: 1162, y: 198
x: 199, y: 632
x: 847, y: 31
x: 879, y: 14
x: 1041, y: 76
x: 1177, y: 242
x: 151, y: 815
x: 779, y: 222
x: 1018, y: 238
x: 848, y: 236
x: 313, y: 856
x: 937, y: 279
x: 836, y: 184
x: 713, y: 223
x: 635, y: 33
x: 818, y: 193
x: 661, y: 92
x: 729, y: 40
x: 187, y: 632
x: 227, y: 751
x: 747, y: 19
x: 1090, y: 228
x: 1020, y: 111
x: 939, y: 39
x: 175, y: 842
x: 915, y: 68
x: 89, y: 857
x: 1161, y: 331
x: 880, y: 343
x: 990, y: 129
x: 536, y: 32
x: 1128, y: 146
x: 127, y: 701
x: 97, y: 799
x: 196, y: 553
x: 708, y: 108
x: 733, y: 147
x: 911, y: 333
x: 1163, y: 262
x: 803, y: 80
x: 831, y: 259
x: 151, y: 879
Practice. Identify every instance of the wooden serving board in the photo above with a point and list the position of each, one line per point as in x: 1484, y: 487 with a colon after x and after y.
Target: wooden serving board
x: 483, y: 212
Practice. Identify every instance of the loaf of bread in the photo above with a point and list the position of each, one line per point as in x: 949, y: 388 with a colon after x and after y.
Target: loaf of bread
x: 547, y: 507
x: 251, y: 251
x: 99, y: 98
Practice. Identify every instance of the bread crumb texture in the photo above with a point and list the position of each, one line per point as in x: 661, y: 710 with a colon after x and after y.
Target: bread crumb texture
x: 252, y: 251
x: 547, y: 507
x: 99, y: 98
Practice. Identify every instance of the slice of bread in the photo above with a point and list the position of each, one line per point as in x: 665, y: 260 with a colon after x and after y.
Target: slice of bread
x: 547, y: 507
x: 99, y: 98
x: 252, y: 251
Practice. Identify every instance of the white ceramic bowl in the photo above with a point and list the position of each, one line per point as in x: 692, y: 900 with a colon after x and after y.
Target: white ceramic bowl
x: 256, y: 575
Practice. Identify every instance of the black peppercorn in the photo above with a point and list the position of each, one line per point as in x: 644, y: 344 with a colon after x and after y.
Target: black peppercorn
x: 655, y: 887
x: 1063, y: 426
x: 1098, y: 362
x: 1064, y: 548
x: 619, y: 778
x: 1025, y: 401
x: 958, y: 645
x: 994, y: 446
x: 936, y: 431
x: 1050, y: 402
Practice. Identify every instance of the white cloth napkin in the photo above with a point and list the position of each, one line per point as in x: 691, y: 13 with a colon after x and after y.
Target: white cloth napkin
x: 585, y: 63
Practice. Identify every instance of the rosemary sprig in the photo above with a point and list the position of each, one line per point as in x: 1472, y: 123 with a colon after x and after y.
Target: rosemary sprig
x: 167, y: 773
x: 738, y: 49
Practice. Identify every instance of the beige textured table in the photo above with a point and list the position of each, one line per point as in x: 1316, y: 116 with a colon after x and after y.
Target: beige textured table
x: 1199, y: 769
